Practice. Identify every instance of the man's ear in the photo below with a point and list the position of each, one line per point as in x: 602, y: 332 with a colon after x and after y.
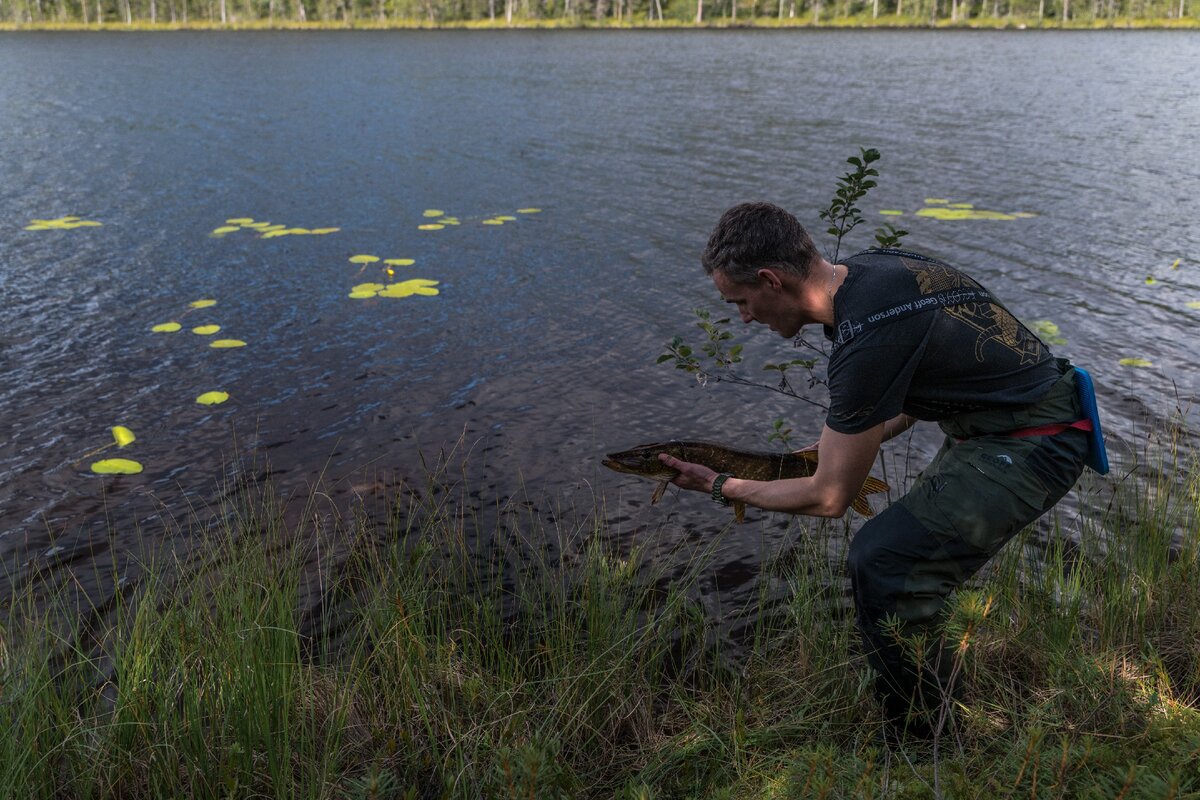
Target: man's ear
x: 770, y: 277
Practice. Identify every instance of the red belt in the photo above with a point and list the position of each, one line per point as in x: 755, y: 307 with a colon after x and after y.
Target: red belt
x: 1053, y: 429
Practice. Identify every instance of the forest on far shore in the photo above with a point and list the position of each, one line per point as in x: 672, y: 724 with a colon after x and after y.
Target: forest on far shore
x: 580, y: 13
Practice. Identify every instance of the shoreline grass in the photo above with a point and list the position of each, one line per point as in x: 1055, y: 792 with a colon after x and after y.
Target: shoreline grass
x: 858, y: 22
x: 546, y: 663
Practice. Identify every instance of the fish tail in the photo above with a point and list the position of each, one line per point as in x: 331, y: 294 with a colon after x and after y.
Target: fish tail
x: 871, y: 486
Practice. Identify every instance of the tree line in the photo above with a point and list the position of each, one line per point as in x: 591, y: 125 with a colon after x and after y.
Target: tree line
x: 584, y: 12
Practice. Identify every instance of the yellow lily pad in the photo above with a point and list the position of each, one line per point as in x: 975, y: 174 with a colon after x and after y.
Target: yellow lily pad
x: 363, y: 259
x: 433, y: 212
x: 122, y: 435
x: 1135, y: 362
x: 1151, y: 280
x: 258, y: 226
x: 505, y: 218
x: 961, y: 205
x: 1194, y: 304
x: 166, y: 327
x: 493, y: 222
x: 206, y: 330
x: 399, y: 262
x: 416, y: 286
x: 930, y: 201
x: 227, y: 343
x: 1023, y: 215
x: 1175, y: 264
x: 224, y: 230
x: 116, y: 466
x: 433, y: 226
x: 529, y: 211
x: 202, y: 303
x: 962, y: 213
x: 367, y: 287
x: 892, y: 213
x: 323, y: 231
x: 240, y: 221
x: 212, y: 398
x: 38, y: 227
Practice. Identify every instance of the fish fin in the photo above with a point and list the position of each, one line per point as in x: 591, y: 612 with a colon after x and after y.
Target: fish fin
x: 739, y: 511
x: 808, y: 455
x: 659, y: 491
x: 870, y: 486
x: 861, y: 505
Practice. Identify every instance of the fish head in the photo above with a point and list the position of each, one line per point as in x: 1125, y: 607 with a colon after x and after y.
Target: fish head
x: 643, y: 460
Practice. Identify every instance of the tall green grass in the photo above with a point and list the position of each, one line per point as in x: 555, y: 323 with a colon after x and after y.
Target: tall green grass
x: 307, y: 660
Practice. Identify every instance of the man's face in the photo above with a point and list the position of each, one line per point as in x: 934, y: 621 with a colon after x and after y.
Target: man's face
x: 763, y: 301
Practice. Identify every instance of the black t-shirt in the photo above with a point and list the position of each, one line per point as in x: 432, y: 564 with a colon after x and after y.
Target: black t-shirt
x: 933, y: 363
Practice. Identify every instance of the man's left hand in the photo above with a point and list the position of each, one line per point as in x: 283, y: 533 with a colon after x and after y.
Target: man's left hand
x: 696, y: 477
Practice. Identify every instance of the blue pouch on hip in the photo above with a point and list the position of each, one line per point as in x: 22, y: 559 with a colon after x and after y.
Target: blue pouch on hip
x: 1097, y: 458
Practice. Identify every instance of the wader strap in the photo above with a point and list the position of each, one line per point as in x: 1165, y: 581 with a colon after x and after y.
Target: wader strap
x: 847, y: 329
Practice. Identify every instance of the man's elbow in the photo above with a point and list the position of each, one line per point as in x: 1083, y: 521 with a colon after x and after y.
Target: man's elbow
x: 833, y: 504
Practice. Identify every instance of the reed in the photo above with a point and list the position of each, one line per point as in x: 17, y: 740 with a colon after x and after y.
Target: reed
x: 329, y: 659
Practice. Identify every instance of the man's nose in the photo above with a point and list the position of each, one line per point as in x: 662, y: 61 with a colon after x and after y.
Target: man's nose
x: 747, y: 317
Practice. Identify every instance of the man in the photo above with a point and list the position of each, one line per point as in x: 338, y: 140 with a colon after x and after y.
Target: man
x: 912, y: 339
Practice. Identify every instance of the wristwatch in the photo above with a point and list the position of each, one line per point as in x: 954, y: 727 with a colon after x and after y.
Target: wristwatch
x: 718, y: 482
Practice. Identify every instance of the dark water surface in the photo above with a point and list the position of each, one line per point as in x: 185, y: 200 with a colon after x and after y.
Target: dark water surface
x: 538, y: 354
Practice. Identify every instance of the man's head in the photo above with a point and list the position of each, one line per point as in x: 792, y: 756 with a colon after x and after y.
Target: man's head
x: 754, y: 236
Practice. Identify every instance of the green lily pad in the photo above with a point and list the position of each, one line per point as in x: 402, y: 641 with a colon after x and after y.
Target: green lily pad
x: 432, y: 226
x: 962, y: 213
x: 529, y: 211
x: 122, y: 435
x: 493, y: 222
x: 892, y: 213
x: 433, y: 212
x: 227, y: 343
x: 363, y: 259
x: 416, y: 286
x: 206, y: 330
x: 212, y: 398
x: 399, y: 262
x: 202, y: 303
x: 930, y: 201
x: 1194, y: 304
x: 166, y: 327
x: 224, y: 230
x: 1048, y: 332
x: 116, y: 466
x: 1135, y: 362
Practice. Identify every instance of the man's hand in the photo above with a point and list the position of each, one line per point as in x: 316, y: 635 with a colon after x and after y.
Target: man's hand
x: 696, y: 477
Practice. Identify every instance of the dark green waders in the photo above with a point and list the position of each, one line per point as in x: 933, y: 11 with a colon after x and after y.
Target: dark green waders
x: 981, y: 489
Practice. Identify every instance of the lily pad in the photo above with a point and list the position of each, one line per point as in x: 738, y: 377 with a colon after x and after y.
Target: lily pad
x: 212, y: 398
x: 505, y: 218
x: 433, y: 226
x: 1151, y: 280
x: 1048, y: 332
x: 116, y: 466
x: 227, y: 343
x: 962, y: 213
x: 493, y: 222
x: 240, y: 221
x: 166, y: 327
x: 202, y: 303
x: 1194, y: 304
x: 224, y: 230
x: 433, y: 212
x: 892, y: 213
x: 1175, y: 264
x: 416, y: 286
x: 961, y: 205
x: 367, y: 287
x: 1135, y: 362
x: 206, y: 330
x: 529, y: 211
x: 399, y: 262
x: 323, y: 231
x: 122, y: 435
x: 363, y: 295
x: 363, y: 259
x: 930, y: 201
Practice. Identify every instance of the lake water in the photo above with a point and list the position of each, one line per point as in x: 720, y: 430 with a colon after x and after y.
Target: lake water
x: 538, y: 354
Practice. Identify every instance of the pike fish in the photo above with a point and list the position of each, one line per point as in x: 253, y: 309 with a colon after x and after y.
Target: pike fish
x: 748, y: 464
